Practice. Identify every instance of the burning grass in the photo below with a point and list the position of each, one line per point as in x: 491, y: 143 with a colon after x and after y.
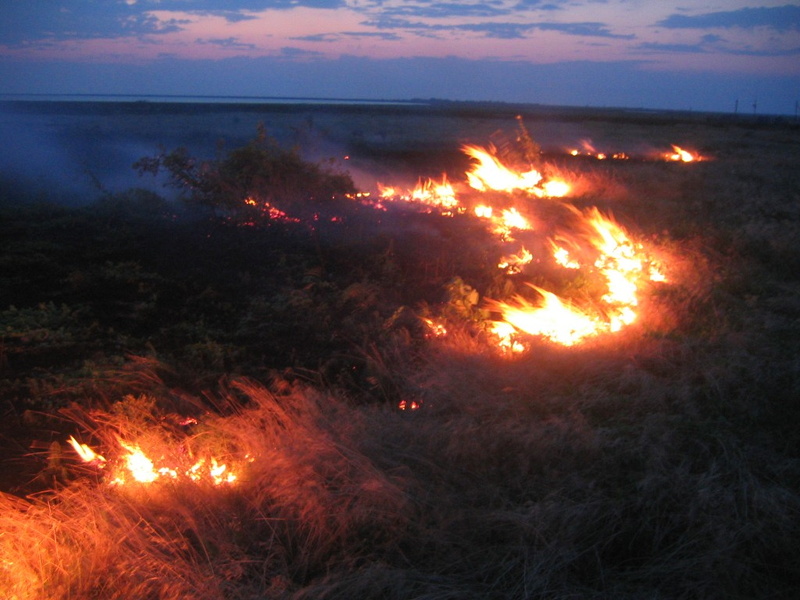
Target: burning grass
x: 320, y: 409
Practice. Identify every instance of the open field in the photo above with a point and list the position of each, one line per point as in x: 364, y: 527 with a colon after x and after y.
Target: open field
x: 317, y: 438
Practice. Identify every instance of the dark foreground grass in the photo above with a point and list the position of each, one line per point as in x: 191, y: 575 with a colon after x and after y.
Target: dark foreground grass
x: 534, y: 479
x: 660, y: 462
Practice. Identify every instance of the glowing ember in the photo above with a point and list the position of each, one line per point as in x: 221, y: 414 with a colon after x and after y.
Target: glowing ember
x: 435, y: 328
x: 271, y: 212
x: 409, y: 405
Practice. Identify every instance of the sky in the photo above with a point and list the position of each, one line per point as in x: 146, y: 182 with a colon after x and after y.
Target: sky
x: 709, y: 55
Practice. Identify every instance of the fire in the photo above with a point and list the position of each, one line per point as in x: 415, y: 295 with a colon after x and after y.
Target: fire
x: 556, y: 188
x: 562, y: 257
x: 624, y: 267
x: 594, y: 244
x: 135, y: 465
x: 140, y: 467
x: 86, y: 454
x: 514, y: 263
x: 680, y: 155
x: 553, y: 319
x: 490, y: 174
x: 430, y: 193
x: 435, y: 328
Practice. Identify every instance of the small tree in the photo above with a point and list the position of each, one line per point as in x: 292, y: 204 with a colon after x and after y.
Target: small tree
x: 254, y: 179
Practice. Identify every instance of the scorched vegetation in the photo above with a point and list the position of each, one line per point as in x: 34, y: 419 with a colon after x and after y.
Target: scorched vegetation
x: 283, y: 388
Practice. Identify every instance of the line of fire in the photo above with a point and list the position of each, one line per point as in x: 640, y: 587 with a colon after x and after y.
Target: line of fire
x: 584, y: 244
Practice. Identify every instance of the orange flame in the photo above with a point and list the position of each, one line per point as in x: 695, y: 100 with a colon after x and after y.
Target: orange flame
x: 597, y: 244
x: 553, y: 319
x: 136, y: 466
x: 514, y: 263
x: 624, y: 267
x: 678, y: 154
x: 86, y: 454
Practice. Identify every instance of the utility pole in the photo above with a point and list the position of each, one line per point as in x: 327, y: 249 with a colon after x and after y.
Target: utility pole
x: 736, y: 107
x: 755, y: 105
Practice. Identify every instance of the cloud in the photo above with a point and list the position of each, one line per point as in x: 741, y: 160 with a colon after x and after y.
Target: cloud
x: 229, y: 42
x: 500, y: 30
x: 22, y: 20
x: 333, y: 37
x: 712, y: 43
x: 583, y: 29
x: 779, y: 18
x: 25, y: 21
x: 439, y: 10
x: 655, y: 47
x: 292, y: 53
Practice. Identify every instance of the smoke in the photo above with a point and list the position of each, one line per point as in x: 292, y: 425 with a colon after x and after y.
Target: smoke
x: 50, y: 158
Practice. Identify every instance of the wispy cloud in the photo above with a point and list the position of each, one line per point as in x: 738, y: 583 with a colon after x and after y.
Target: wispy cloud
x: 779, y: 18
x: 229, y: 42
x: 584, y: 29
x: 498, y: 29
x: 333, y: 37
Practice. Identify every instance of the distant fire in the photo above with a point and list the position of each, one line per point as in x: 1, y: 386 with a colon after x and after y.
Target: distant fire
x: 677, y: 154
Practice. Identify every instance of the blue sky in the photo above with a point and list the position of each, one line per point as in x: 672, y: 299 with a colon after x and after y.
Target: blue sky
x: 675, y: 54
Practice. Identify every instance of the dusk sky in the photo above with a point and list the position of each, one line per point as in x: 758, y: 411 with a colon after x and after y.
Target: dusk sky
x: 671, y: 54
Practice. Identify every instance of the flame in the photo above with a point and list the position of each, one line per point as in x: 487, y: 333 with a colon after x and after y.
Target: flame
x: 556, y: 188
x: 680, y: 155
x: 553, y: 319
x: 86, y: 454
x: 562, y: 257
x: 483, y: 212
x: 435, y: 328
x: 430, y: 193
x: 594, y: 244
x: 134, y: 465
x: 623, y: 266
x: 514, y: 263
x: 490, y: 174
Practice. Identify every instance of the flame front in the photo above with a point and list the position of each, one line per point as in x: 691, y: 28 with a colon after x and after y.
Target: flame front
x: 593, y: 243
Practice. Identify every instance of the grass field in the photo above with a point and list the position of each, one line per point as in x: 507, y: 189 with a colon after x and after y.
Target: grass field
x: 317, y: 440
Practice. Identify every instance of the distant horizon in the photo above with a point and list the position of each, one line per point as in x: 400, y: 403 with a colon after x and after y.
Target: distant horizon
x: 269, y: 99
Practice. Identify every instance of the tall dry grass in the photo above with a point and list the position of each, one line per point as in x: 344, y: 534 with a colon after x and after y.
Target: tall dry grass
x: 604, y: 472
